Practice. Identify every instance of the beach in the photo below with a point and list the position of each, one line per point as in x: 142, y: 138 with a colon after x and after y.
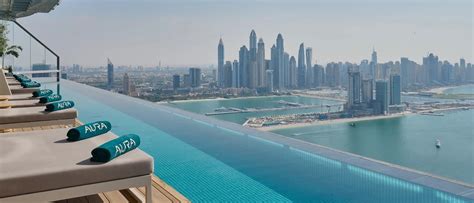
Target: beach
x: 440, y: 90
x: 319, y: 97
x: 333, y: 121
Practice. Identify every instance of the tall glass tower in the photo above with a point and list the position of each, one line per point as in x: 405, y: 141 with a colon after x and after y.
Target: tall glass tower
x: 220, y: 63
x: 301, y: 67
x: 110, y: 74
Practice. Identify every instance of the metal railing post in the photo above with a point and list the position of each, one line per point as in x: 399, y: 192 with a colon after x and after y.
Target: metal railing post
x: 58, y: 74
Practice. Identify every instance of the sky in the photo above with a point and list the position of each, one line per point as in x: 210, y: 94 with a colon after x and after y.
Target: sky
x: 186, y: 32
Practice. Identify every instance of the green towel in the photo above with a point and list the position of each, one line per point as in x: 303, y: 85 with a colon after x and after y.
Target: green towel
x: 115, y: 148
x: 30, y: 84
x: 42, y: 93
x: 50, y: 98
x: 56, y: 106
x: 88, y: 130
x: 22, y: 78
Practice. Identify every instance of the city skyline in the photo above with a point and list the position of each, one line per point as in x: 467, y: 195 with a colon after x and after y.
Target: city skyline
x: 244, y: 72
x: 346, y: 35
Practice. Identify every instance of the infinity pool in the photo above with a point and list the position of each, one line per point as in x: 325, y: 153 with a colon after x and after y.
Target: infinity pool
x: 216, y: 161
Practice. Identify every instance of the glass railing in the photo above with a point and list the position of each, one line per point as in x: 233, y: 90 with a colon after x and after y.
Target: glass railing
x: 35, y: 60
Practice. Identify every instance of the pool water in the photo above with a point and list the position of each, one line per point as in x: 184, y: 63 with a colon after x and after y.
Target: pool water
x: 210, y: 163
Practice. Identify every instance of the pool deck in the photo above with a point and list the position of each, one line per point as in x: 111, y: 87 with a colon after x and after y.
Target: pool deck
x: 439, y: 183
x: 161, y: 192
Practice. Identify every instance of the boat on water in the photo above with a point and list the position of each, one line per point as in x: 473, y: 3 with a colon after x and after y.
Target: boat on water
x: 352, y: 124
x: 438, y: 144
x: 431, y: 114
x: 220, y: 109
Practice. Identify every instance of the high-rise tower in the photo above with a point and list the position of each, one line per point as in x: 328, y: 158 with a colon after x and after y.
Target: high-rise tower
x: 110, y: 74
x: 220, y: 63
x: 293, y: 73
x: 373, y: 64
x: 354, y: 90
x: 309, y: 68
x: 244, y: 66
x: 261, y: 63
x: 253, y: 40
x: 280, y: 54
x: 395, y: 90
x: 126, y: 84
x: 301, y: 67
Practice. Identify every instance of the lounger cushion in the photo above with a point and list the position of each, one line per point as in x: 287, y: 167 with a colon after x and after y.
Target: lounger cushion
x: 34, y: 114
x: 25, y: 103
x: 17, y: 89
x: 13, y: 82
x: 42, y: 160
x: 20, y: 97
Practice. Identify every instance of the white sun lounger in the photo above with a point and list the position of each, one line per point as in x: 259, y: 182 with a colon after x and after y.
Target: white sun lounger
x: 14, y: 97
x: 24, y: 103
x: 13, y: 81
x: 35, y: 116
x: 39, y: 166
x: 18, y: 89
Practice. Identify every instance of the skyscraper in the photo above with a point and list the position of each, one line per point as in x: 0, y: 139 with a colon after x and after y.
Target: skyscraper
x: 220, y: 63
x: 382, y: 97
x: 354, y: 89
x: 269, y: 76
x: 301, y: 67
x: 261, y: 63
x: 244, y: 66
x: 462, y: 63
x: 274, y: 64
x: 280, y: 54
x: 309, y: 68
x: 235, y: 74
x: 367, y: 91
x: 252, y: 74
x: 186, y: 80
x: 395, y: 90
x: 404, y: 68
x: 373, y: 64
x: 227, y: 74
x: 318, y: 72
x: 293, y: 73
x: 126, y: 84
x: 110, y: 74
x: 286, y: 70
x: 195, y: 77
x: 252, y: 71
x: 253, y: 43
x: 332, y: 74
x: 431, y: 68
x: 176, y: 81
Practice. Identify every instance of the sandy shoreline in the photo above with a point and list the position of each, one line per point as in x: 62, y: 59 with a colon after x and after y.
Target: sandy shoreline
x: 333, y: 121
x: 190, y: 100
x: 320, y: 97
x: 441, y: 90
x: 251, y: 97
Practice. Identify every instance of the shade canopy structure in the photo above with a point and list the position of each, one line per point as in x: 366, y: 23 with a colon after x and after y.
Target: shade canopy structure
x: 13, y: 9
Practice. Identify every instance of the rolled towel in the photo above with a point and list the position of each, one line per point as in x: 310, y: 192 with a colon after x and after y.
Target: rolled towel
x: 42, y: 93
x: 50, y: 98
x: 88, y: 130
x: 22, y: 78
x: 56, y: 106
x: 25, y: 79
x: 114, y: 148
x: 30, y: 84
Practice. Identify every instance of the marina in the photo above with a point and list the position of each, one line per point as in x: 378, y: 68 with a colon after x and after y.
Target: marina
x: 406, y: 139
x: 290, y: 106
